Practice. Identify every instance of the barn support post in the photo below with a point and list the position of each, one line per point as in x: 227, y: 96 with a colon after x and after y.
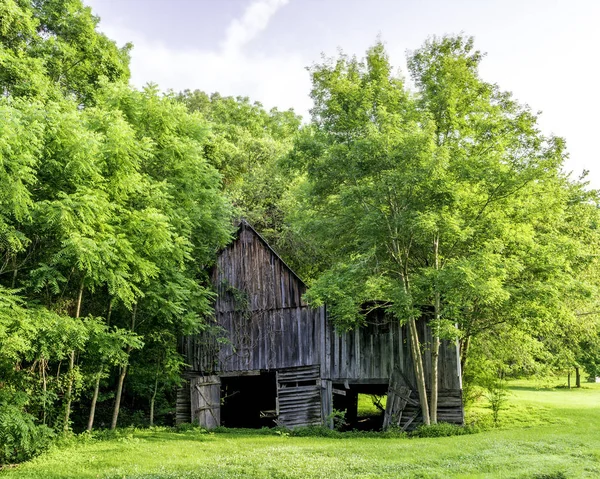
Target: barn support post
x: 327, y: 402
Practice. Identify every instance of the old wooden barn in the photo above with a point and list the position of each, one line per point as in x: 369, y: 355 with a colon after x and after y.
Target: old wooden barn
x: 271, y: 359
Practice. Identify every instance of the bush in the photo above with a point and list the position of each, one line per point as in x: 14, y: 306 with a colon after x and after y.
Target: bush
x: 442, y: 429
x: 496, y: 392
x: 20, y: 437
x: 552, y: 475
x: 187, y: 426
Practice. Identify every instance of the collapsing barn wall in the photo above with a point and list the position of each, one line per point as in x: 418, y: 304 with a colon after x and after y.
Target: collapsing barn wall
x: 379, y: 353
x: 299, y: 396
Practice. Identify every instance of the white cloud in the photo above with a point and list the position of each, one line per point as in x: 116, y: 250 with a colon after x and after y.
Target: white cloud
x: 279, y: 79
x: 254, y: 20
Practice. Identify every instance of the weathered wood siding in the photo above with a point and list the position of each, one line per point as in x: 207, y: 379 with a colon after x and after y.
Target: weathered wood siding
x: 205, y: 395
x: 299, y: 396
x: 372, y: 352
x: 260, y: 316
x: 183, y: 406
x: 250, y: 265
x: 450, y: 408
x: 258, y: 340
x: 262, y: 323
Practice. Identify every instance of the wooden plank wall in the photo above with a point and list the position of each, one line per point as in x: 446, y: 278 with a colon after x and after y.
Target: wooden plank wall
x: 371, y: 353
x: 183, y: 408
x: 450, y: 409
x: 250, y: 265
x: 260, y: 316
x: 299, y: 396
x: 259, y: 340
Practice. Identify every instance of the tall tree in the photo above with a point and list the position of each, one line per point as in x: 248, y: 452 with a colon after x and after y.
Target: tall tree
x: 51, y: 48
x: 246, y: 144
x: 426, y: 200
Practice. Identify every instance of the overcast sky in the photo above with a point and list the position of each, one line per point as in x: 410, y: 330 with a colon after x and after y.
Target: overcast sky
x: 545, y: 51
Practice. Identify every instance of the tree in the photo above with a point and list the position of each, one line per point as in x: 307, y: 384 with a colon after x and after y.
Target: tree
x: 433, y: 203
x: 368, y: 165
x: 110, y: 211
x: 177, y: 223
x: 246, y: 144
x: 51, y: 48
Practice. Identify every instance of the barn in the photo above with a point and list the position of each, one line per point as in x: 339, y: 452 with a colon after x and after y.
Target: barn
x: 269, y: 359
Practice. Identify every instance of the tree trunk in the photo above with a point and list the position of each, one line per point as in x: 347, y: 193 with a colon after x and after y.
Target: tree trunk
x: 115, y: 417
x: 577, y: 378
x: 418, y: 367
x: 415, y: 347
x: 90, y: 424
x: 435, y: 340
x: 43, y: 364
x: 15, y: 271
x: 152, y: 399
x: 569, y: 379
x: 435, y: 354
x: 69, y: 394
x: 122, y: 374
x: 465, y: 342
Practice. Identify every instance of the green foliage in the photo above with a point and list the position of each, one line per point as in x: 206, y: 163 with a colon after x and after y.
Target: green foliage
x: 448, y: 205
x: 246, y: 144
x: 496, y: 394
x: 20, y: 437
x: 338, y: 419
x: 51, y: 48
x: 442, y: 429
x: 109, y: 207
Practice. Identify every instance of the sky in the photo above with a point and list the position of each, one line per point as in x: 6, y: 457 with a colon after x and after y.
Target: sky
x: 545, y: 52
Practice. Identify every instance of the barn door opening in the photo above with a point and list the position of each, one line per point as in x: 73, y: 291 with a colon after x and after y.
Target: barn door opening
x: 249, y: 401
x: 361, y: 404
x: 205, y: 401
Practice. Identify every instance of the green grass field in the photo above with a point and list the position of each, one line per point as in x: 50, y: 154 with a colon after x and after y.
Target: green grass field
x: 544, y: 433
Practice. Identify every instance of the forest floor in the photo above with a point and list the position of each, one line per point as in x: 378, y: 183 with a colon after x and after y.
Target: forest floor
x: 544, y: 433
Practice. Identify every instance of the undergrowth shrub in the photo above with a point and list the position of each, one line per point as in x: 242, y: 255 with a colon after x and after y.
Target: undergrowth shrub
x: 496, y: 394
x: 187, y: 426
x: 323, y: 431
x: 551, y: 475
x: 442, y: 429
x: 20, y: 437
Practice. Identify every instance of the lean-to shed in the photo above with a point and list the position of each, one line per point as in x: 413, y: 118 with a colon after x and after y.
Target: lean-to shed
x: 270, y: 359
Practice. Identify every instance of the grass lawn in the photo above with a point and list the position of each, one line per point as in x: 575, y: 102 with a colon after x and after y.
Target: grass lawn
x: 544, y: 434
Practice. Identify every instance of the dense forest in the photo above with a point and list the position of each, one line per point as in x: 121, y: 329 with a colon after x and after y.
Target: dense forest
x: 438, y: 197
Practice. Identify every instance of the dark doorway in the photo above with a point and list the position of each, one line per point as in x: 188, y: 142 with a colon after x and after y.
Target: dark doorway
x: 249, y: 401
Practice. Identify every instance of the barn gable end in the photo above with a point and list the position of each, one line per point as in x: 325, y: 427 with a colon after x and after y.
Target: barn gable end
x: 260, y: 317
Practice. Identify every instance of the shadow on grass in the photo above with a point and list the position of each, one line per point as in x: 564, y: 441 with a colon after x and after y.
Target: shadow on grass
x: 176, y: 436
